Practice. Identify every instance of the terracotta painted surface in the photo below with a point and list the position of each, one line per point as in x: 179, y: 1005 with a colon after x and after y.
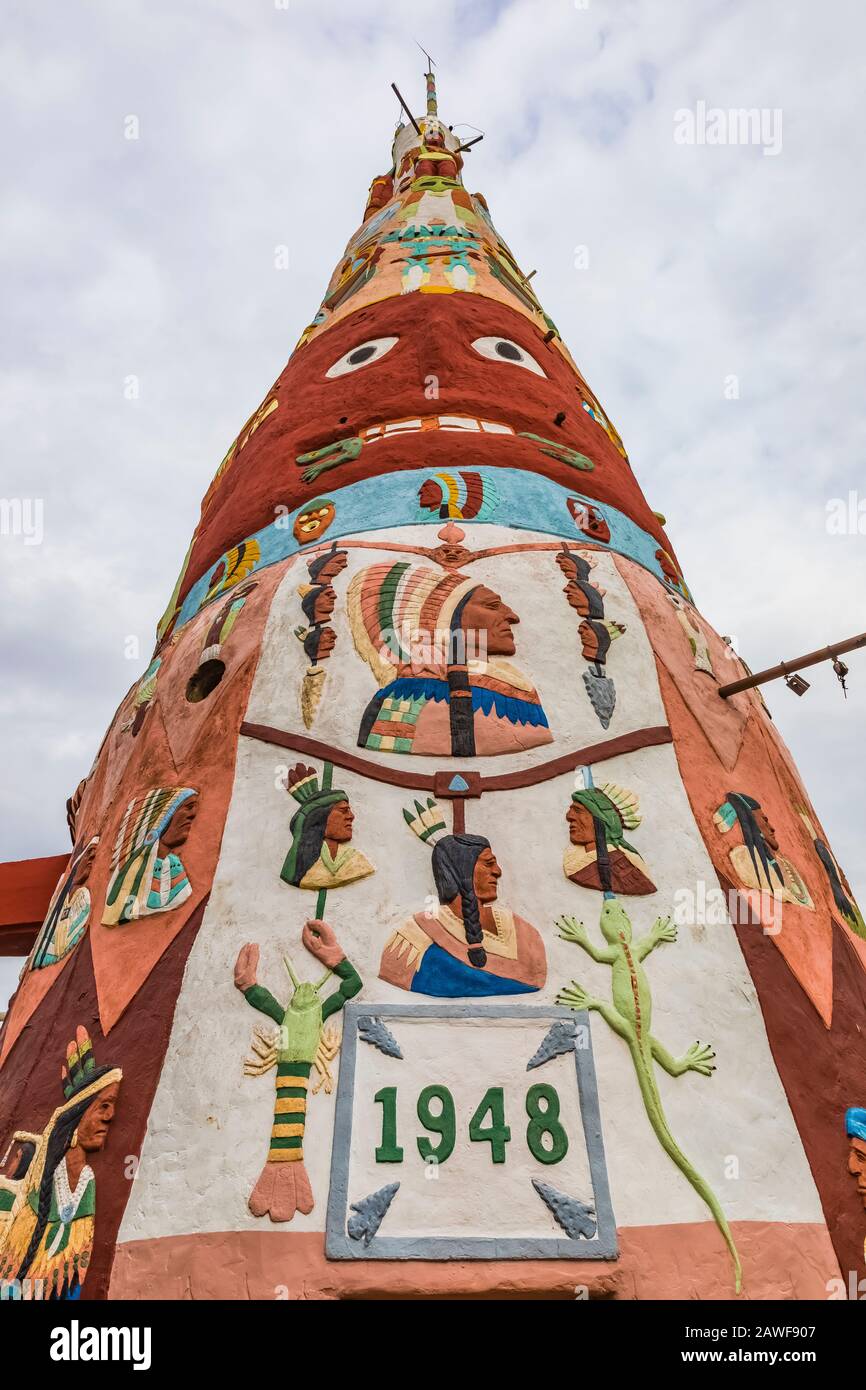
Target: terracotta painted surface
x: 29, y: 1083
x: 26, y: 886
x: 656, y: 1262
x: 805, y: 937
x: 822, y: 1070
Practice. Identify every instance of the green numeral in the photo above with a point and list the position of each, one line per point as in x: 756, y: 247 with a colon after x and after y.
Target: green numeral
x: 442, y: 1124
x: 545, y: 1121
x: 497, y: 1133
x: 388, y: 1151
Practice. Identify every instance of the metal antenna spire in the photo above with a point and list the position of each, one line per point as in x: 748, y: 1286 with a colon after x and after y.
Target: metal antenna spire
x: 431, y: 62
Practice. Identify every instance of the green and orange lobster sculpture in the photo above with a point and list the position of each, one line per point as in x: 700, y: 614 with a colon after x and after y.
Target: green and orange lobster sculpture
x: 302, y: 1043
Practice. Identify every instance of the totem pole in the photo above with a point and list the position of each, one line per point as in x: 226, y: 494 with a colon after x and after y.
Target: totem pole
x: 431, y: 707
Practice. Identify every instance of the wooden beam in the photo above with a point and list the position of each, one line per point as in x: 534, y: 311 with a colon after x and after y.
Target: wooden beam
x: 787, y: 668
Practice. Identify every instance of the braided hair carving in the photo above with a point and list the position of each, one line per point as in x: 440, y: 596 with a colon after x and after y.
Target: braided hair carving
x: 454, y: 860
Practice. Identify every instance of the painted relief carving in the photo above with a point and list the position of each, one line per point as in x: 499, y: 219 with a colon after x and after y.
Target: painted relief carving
x: 599, y: 856
x: 144, y: 693
x: 695, y: 636
x: 589, y: 519
x: 301, y: 1043
x: 459, y: 496
x: 211, y: 666
x: 50, y: 1202
x: 757, y: 862
x: 596, y: 631
x: 470, y: 944
x: 855, y: 1128
x: 630, y: 1017
x: 313, y: 520
x: 839, y: 886
x: 437, y: 646
x: 147, y: 873
x: 321, y: 856
x: 69, y: 913
x: 318, y: 599
x: 672, y: 573
x: 232, y: 568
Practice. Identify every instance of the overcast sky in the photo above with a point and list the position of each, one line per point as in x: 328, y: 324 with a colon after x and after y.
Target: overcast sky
x: 260, y: 124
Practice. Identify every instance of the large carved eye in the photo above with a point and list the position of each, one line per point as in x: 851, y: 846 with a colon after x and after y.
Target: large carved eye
x: 361, y: 356
x: 504, y: 350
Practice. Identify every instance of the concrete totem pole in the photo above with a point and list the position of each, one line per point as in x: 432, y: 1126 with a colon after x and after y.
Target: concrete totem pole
x: 431, y: 746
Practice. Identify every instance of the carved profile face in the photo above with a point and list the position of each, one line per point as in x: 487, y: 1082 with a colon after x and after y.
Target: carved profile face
x: 581, y: 825
x: 486, y: 876
x: 577, y: 597
x: 857, y: 1166
x: 326, y: 601
x: 766, y: 829
x: 312, y: 523
x: 176, y: 833
x: 85, y: 864
x: 334, y: 564
x: 339, y: 823
x: 327, y: 642
x: 430, y: 495
x: 485, y: 612
x: 94, y: 1123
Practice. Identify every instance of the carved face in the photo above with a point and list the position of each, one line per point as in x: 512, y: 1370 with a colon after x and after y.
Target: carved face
x: 581, y: 826
x: 324, y: 603
x: 486, y: 876
x: 335, y: 564
x: 496, y: 380
x: 766, y: 829
x: 857, y: 1166
x: 176, y: 833
x: 85, y: 864
x: 94, y: 1123
x: 327, y: 642
x: 430, y: 495
x: 339, y: 823
x: 311, y: 524
x: 577, y: 597
x: 587, y: 519
x: 484, y: 612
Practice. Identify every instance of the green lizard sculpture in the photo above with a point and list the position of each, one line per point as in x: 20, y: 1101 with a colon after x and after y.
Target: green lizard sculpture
x: 630, y: 1015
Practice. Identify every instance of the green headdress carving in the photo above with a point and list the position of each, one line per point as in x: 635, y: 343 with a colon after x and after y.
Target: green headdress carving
x: 308, y: 823
x: 614, y: 807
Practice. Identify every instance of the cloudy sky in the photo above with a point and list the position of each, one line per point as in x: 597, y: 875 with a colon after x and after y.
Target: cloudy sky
x: 713, y: 296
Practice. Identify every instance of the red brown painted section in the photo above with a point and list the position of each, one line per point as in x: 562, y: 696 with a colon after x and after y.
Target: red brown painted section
x: 431, y: 782
x: 435, y: 339
x: 823, y: 1071
x: 669, y: 1262
x: 26, y: 886
x: 30, y: 1081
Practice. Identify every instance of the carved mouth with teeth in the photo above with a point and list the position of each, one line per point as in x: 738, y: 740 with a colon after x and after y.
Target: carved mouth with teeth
x: 421, y: 424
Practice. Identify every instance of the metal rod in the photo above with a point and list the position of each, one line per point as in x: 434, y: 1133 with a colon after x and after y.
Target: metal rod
x: 469, y: 144
x: 786, y: 668
x: 405, y: 107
